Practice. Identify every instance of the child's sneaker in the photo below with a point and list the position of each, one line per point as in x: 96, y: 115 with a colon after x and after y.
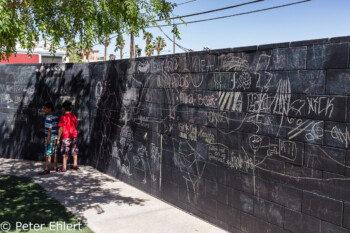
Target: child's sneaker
x: 74, y: 167
x: 45, y: 172
x: 54, y: 170
x: 62, y: 170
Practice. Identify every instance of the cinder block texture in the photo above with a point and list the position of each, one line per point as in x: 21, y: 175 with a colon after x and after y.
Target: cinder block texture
x: 253, y: 139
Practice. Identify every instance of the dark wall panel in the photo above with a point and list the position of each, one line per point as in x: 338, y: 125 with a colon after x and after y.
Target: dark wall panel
x: 252, y: 139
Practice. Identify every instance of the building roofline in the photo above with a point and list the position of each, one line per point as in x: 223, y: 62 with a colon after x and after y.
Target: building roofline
x: 58, y: 54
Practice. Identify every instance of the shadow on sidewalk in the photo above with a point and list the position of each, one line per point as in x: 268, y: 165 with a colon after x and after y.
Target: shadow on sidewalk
x: 79, y: 190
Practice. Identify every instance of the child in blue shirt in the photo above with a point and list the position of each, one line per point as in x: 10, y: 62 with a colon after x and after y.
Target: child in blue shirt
x: 51, y: 130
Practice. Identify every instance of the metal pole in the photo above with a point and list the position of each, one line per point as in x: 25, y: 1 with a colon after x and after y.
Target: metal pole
x: 174, y: 44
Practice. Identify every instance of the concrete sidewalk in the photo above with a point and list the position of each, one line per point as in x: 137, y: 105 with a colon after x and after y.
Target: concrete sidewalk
x: 106, y: 204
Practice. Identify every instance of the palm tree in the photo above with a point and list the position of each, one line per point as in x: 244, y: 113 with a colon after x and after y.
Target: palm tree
x: 159, y: 44
x: 121, y: 45
x: 149, y: 50
x: 87, y: 54
x: 107, y: 41
x: 148, y: 37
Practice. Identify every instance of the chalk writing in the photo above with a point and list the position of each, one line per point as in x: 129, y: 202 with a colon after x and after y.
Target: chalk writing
x: 208, y: 100
x: 217, y: 117
x: 342, y: 136
x: 237, y: 161
x: 285, y: 149
x: 258, y: 103
x: 187, y: 131
x: 208, y: 136
x: 171, y: 64
x: 174, y: 81
x: 218, y: 153
x: 320, y: 106
x: 202, y: 65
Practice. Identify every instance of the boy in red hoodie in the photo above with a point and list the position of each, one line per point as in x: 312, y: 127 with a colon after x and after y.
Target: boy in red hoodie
x: 68, y: 132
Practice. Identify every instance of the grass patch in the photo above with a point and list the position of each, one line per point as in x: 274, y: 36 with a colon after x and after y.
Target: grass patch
x: 21, y: 200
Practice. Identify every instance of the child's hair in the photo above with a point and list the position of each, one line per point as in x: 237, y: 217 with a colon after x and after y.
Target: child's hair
x: 49, y: 105
x: 67, y: 105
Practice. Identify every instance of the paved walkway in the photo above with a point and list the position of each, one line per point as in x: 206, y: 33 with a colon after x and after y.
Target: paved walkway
x: 106, y: 204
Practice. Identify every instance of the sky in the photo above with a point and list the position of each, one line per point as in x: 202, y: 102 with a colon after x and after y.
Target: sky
x: 311, y: 20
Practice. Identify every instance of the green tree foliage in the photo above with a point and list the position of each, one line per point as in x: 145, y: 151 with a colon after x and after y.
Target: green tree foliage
x: 75, y: 57
x: 111, y: 57
x: 79, y: 23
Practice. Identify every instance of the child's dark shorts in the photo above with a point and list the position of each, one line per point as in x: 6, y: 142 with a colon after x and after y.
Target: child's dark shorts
x: 69, y: 147
x: 51, y: 149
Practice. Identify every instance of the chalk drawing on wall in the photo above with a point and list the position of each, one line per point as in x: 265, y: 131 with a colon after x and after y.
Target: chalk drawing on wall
x: 126, y: 146
x: 230, y: 101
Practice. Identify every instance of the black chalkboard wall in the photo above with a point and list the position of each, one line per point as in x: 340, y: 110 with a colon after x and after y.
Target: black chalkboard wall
x: 252, y: 139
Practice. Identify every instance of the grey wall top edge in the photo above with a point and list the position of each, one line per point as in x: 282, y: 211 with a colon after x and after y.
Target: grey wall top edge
x: 341, y: 39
